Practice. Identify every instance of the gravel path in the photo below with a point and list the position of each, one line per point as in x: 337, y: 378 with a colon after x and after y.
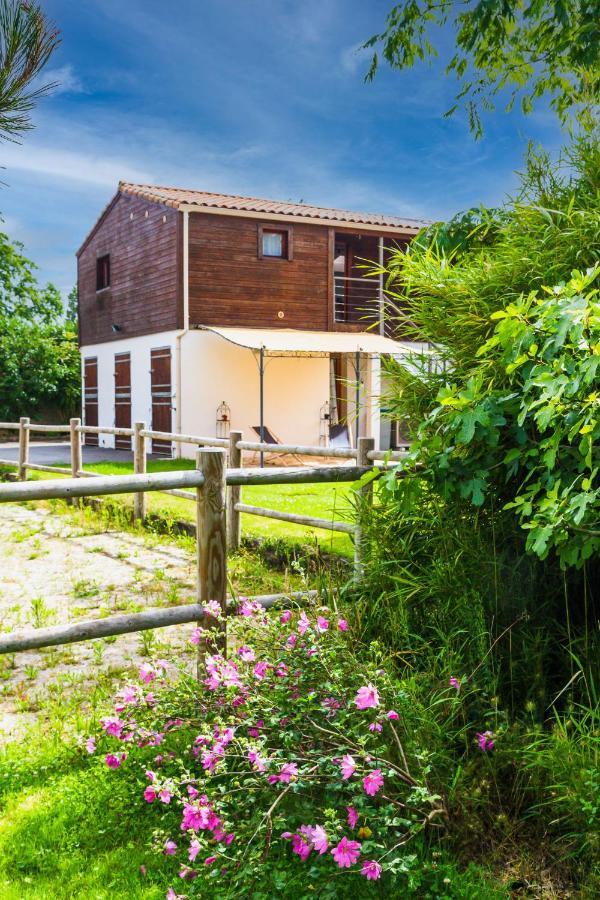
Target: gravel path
x: 57, y: 568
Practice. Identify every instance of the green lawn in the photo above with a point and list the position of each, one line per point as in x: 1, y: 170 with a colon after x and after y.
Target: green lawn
x: 326, y: 501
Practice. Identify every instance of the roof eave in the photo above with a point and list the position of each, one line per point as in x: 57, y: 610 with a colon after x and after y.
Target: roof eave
x: 311, y: 220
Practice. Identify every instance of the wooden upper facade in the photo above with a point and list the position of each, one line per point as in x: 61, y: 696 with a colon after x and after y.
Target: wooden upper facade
x: 248, y: 263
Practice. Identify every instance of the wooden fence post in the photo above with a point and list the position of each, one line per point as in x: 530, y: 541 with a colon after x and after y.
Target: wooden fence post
x: 234, y: 495
x: 139, y: 468
x: 23, y: 447
x: 211, y: 544
x: 76, y: 458
x: 365, y: 498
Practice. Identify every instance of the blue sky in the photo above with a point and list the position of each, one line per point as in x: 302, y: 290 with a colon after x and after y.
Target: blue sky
x: 258, y: 97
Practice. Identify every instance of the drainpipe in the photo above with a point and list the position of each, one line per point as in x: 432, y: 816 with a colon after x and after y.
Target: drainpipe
x: 183, y: 331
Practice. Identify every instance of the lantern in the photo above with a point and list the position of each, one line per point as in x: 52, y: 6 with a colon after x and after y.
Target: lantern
x: 223, y: 420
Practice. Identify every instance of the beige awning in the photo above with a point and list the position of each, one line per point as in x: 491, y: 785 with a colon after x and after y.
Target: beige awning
x: 291, y: 342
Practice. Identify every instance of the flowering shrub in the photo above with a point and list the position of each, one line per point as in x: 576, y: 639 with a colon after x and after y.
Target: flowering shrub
x: 289, y: 765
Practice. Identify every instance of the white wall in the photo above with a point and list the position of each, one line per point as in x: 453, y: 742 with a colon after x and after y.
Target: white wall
x: 214, y: 370
x: 295, y: 388
x: 141, y: 400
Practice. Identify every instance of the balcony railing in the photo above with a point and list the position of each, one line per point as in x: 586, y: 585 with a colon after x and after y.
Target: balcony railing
x: 356, y: 301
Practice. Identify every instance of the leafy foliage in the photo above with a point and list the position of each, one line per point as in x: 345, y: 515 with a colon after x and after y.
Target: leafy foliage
x: 515, y: 49
x: 27, y: 40
x: 508, y: 409
x: 287, y: 756
x: 39, y: 356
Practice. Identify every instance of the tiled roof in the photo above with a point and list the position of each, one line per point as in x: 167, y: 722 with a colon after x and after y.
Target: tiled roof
x: 177, y: 197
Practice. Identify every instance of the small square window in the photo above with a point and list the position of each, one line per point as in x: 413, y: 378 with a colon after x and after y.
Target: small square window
x: 274, y: 243
x: 103, y: 272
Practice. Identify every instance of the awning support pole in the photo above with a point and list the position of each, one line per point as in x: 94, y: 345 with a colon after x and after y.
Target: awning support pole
x: 357, y: 397
x: 261, y: 371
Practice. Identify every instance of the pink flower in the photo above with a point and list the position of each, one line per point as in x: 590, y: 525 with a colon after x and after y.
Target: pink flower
x: 352, y: 816
x: 346, y: 853
x: 247, y: 654
x: 169, y: 848
x: 260, y: 670
x: 194, y: 850
x: 114, y: 761
x: 392, y: 714
x: 342, y: 625
x: 90, y: 745
x: 213, y: 608
x: 303, y: 623
x: 257, y: 761
x: 366, y: 697
x: 209, y: 860
x: 371, y: 870
x: 150, y: 795
x: 146, y: 673
x: 249, y: 608
x: 301, y: 847
x: 348, y: 767
x: 292, y: 640
x: 164, y: 796
x: 375, y: 726
x: 485, y: 741
x: 287, y: 772
x: 455, y: 683
x: 322, y: 623
x: 319, y: 840
x: 373, y: 782
x: 286, y: 615
x: 196, y: 635
x: 114, y: 727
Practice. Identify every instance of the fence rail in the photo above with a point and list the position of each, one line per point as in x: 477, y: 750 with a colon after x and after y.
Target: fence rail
x: 363, y: 455
x: 210, y: 480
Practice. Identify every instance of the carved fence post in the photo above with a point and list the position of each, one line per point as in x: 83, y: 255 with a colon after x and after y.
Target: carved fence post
x: 139, y: 468
x: 234, y: 495
x: 211, y: 544
x: 363, y: 501
x: 23, y: 447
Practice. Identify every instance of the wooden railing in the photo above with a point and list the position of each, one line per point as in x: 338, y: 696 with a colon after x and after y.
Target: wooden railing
x: 210, y: 481
x: 365, y: 456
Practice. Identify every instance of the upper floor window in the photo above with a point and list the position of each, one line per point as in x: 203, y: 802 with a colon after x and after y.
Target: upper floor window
x: 103, y: 272
x: 274, y: 243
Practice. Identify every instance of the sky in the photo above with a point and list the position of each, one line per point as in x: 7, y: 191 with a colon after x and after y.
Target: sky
x: 264, y: 98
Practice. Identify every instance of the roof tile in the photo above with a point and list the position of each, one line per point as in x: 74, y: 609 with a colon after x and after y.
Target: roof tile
x: 177, y: 197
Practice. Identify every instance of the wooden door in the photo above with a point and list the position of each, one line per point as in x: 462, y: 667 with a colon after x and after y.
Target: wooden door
x: 122, y: 398
x: 160, y: 382
x: 90, y: 398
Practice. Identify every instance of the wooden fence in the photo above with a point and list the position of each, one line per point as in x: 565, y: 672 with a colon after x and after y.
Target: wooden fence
x: 365, y: 456
x: 210, y: 481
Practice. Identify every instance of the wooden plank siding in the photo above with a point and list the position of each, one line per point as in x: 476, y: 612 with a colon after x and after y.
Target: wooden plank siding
x: 144, y: 296
x: 229, y: 282
x: 231, y: 285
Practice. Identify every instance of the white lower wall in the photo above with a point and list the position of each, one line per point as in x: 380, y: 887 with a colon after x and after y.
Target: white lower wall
x: 214, y: 370
x: 141, y: 399
x: 295, y: 388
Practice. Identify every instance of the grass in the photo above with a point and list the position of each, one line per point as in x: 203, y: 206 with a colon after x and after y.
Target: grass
x: 324, y: 501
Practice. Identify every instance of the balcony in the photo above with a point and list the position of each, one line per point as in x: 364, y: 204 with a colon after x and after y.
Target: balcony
x: 356, y: 301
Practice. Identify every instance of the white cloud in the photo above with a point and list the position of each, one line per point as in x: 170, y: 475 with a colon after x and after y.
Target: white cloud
x: 64, y: 78
x: 57, y: 163
x: 354, y: 57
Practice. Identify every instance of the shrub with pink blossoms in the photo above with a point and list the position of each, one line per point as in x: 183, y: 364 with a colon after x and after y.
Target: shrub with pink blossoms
x: 268, y: 769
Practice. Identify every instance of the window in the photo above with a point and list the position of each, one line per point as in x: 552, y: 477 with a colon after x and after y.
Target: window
x: 274, y: 243
x: 103, y: 272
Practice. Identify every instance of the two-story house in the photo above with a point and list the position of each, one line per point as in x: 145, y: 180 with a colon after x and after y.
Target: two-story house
x: 190, y: 300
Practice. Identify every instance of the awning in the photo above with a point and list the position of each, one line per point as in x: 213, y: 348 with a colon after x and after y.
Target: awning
x: 291, y: 342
